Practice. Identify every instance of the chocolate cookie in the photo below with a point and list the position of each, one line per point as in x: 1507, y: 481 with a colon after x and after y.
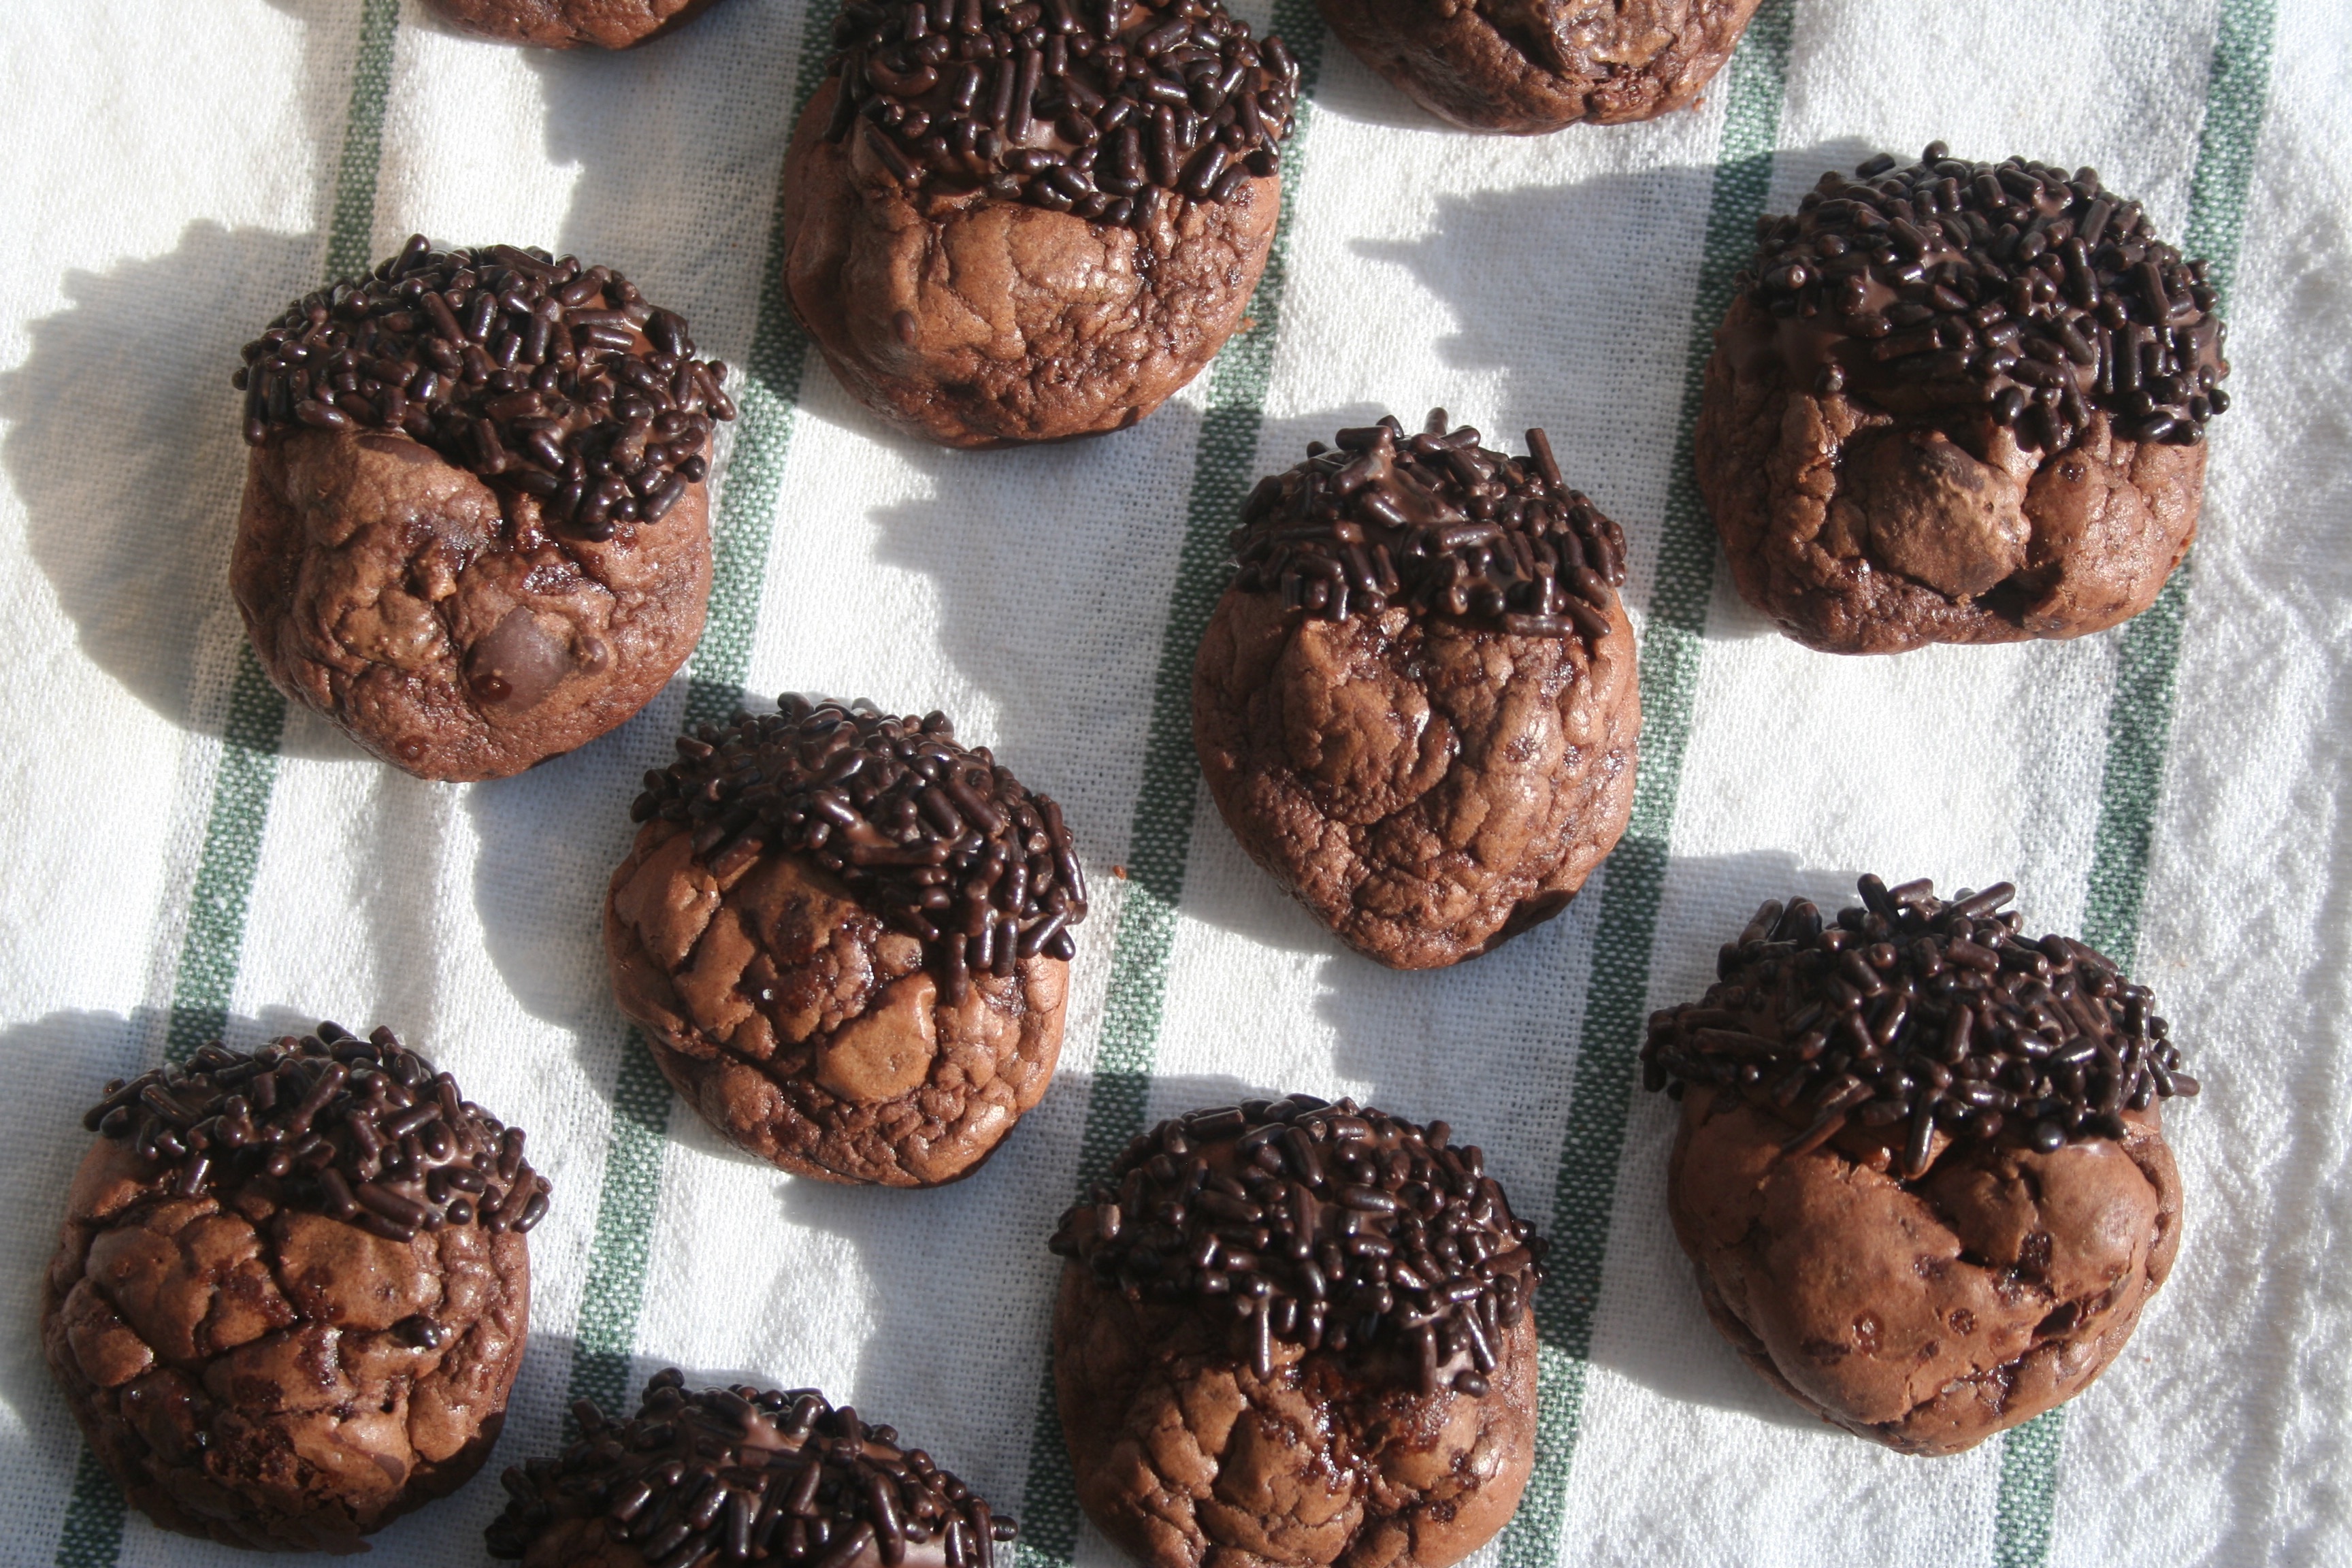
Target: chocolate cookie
x: 1009, y: 222
x: 737, y: 1474
x: 475, y: 533
x: 848, y: 939
x: 568, y: 23
x: 1959, y: 403
x: 1530, y: 66
x: 1298, y: 1333
x: 1921, y: 1168
x: 1416, y: 704
x: 292, y: 1289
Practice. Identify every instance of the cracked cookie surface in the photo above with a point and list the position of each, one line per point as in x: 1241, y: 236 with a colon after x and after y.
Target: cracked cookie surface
x: 1858, y: 531
x: 1530, y: 66
x: 1427, y: 790
x: 976, y: 321
x: 253, y: 1370
x: 1185, y: 1455
x: 437, y: 622
x: 810, y: 1034
x: 1298, y: 1333
x: 571, y: 23
x: 1926, y: 1314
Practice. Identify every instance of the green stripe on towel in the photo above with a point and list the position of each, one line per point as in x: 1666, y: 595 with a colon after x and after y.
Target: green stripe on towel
x: 1161, y: 836
x: 613, y: 1300
x: 2139, y: 713
x: 213, y: 947
x: 1633, y: 878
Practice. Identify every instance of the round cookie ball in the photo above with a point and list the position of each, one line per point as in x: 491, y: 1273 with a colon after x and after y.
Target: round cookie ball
x: 1531, y: 66
x: 1032, y: 225
x: 1959, y: 403
x: 569, y: 24
x: 1241, y: 1379
x: 1416, y: 705
x: 848, y: 939
x: 475, y: 532
x: 735, y: 1475
x: 1921, y: 1169
x: 292, y: 1290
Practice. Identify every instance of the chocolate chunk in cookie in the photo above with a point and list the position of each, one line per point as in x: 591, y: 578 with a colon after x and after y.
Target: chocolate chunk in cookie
x: 1012, y: 222
x: 475, y: 532
x: 1531, y: 66
x: 735, y: 1475
x: 1959, y: 403
x: 1921, y: 1168
x: 848, y: 939
x: 1416, y: 704
x: 569, y: 24
x: 291, y: 1290
x: 1298, y: 1333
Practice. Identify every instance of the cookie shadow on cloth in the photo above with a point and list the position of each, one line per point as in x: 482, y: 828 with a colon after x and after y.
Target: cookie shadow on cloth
x: 1558, y: 290
x: 123, y: 445
x: 548, y: 840
x: 959, y: 1282
x: 123, y: 439
x: 1491, y: 1044
x: 1060, y: 627
x: 1050, y: 568
x: 681, y: 209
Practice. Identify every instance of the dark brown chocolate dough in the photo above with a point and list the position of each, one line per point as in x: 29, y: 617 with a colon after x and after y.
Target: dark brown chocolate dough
x: 291, y: 1290
x: 1006, y: 224
x: 848, y: 938
x: 1419, y: 714
x: 1532, y: 66
x: 475, y: 532
x: 746, y: 1475
x: 1240, y: 1379
x: 1959, y: 403
x: 1921, y: 1168
x: 569, y: 24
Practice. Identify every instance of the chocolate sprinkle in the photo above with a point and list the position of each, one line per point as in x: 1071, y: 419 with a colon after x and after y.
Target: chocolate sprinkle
x: 2035, y: 294
x: 361, y: 1131
x: 742, y: 1476
x: 1434, y: 522
x: 1112, y: 109
x: 1324, y: 1226
x: 938, y: 840
x: 1915, y: 1015
x: 540, y: 375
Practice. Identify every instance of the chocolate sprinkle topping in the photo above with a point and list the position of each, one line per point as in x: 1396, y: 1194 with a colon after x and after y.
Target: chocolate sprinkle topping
x: 361, y: 1131
x: 1434, y: 522
x: 1113, y: 109
x: 938, y: 840
x: 742, y: 1476
x: 2014, y: 285
x: 540, y: 375
x: 1913, y: 1015
x: 1325, y: 1225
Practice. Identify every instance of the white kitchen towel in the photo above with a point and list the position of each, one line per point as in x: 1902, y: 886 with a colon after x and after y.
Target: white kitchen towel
x: 182, y: 856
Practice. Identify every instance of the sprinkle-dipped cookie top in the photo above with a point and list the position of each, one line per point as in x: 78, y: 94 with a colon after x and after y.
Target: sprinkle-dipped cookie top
x: 1933, y: 1020
x: 1434, y: 522
x: 1330, y: 1227
x: 2035, y: 294
x: 744, y: 1476
x: 1107, y: 109
x: 938, y: 840
x: 537, y: 374
x: 361, y: 1131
